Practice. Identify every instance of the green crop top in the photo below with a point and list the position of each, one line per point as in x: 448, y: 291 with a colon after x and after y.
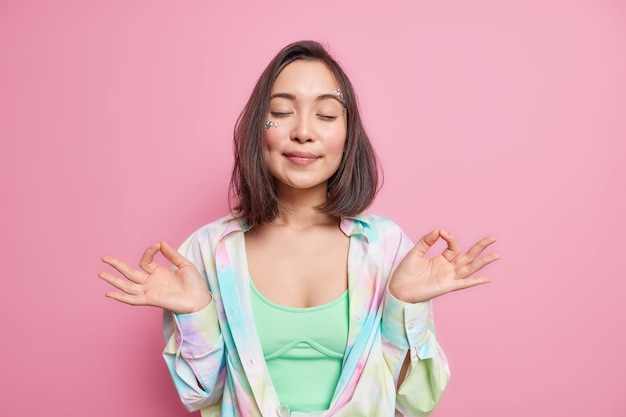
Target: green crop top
x: 303, y: 349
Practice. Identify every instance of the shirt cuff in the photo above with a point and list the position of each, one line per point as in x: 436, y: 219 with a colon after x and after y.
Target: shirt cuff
x: 409, y: 325
x: 197, y: 332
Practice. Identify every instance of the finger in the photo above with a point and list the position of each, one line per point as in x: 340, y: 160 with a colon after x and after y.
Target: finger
x: 133, y: 300
x: 124, y: 269
x: 478, y: 247
x: 173, y: 255
x: 426, y: 242
x: 453, y: 250
x: 147, y: 260
x: 469, y: 282
x: 477, y: 265
x: 121, y: 284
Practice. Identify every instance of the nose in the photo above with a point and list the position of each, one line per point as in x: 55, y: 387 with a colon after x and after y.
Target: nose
x: 303, y: 130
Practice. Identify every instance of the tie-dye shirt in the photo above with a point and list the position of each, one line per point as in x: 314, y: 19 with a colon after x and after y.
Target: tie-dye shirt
x: 215, y: 356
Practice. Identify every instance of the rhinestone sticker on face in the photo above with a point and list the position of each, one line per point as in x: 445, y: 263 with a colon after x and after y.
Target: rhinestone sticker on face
x: 339, y: 95
x: 269, y: 123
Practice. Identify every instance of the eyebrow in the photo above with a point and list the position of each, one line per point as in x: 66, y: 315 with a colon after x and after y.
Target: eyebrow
x: 318, y: 98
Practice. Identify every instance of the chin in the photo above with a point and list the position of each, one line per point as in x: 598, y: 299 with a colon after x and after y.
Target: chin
x: 305, y: 185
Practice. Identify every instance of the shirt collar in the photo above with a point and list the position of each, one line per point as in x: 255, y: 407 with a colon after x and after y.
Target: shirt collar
x: 349, y: 225
x: 355, y: 225
x: 233, y: 224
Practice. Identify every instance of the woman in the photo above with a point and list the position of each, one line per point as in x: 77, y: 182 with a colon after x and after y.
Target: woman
x: 297, y: 303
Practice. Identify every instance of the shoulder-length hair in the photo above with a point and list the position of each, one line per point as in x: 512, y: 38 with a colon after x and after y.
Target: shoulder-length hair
x: 252, y: 192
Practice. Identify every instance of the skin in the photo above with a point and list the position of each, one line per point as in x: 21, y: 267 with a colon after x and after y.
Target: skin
x: 302, y: 152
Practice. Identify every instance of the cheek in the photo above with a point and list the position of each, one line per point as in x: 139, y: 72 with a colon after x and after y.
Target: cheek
x: 272, y: 139
x: 336, y: 138
x: 271, y: 148
x: 339, y: 145
x: 336, y: 143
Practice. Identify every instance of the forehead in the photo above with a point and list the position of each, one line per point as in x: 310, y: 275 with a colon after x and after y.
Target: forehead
x: 305, y: 78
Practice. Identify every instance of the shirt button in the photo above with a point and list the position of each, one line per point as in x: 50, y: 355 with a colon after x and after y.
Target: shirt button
x: 359, y: 315
x: 411, y: 325
x: 283, y: 410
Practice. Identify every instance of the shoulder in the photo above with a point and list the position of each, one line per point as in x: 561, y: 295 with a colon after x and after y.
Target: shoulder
x: 371, y: 223
x: 375, y: 228
x: 386, y: 241
x: 213, y: 232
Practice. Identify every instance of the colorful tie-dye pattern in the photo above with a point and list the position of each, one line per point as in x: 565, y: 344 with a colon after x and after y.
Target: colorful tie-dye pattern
x: 217, y: 363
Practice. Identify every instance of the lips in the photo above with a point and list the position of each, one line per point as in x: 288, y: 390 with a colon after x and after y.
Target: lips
x: 301, y: 158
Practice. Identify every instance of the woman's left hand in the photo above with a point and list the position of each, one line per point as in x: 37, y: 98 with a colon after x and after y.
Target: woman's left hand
x: 418, y: 279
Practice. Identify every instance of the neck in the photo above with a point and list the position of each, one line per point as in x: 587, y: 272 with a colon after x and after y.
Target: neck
x: 298, y: 207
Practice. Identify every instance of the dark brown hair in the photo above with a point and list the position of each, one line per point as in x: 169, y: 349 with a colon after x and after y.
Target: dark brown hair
x: 252, y: 193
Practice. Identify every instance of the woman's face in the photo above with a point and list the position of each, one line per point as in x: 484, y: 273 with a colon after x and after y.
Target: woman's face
x: 305, y: 138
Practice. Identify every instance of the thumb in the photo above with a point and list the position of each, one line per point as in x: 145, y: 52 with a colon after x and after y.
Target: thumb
x: 425, y: 243
x: 173, y: 255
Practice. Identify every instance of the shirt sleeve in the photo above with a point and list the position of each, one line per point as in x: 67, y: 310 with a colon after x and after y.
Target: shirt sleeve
x: 408, y: 331
x: 410, y: 326
x: 194, y: 350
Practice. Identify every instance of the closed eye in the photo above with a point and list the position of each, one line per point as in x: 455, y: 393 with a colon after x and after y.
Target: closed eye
x: 280, y: 114
x: 326, y: 117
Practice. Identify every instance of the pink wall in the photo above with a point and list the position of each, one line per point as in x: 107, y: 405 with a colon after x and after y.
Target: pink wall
x: 503, y: 117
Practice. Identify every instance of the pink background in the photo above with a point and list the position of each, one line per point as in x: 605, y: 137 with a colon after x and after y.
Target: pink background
x: 490, y: 117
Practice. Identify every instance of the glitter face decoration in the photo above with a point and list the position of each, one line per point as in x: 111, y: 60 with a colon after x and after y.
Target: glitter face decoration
x: 269, y: 123
x: 339, y: 95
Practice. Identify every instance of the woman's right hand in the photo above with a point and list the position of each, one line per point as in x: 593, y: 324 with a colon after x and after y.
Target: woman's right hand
x: 181, y: 291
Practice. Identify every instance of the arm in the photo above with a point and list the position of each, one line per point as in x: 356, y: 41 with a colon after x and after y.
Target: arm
x: 417, y: 361
x: 194, y: 354
x: 194, y: 350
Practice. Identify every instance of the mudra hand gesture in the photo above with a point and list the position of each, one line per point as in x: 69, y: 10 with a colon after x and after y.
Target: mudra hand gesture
x: 181, y: 291
x: 418, y: 279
